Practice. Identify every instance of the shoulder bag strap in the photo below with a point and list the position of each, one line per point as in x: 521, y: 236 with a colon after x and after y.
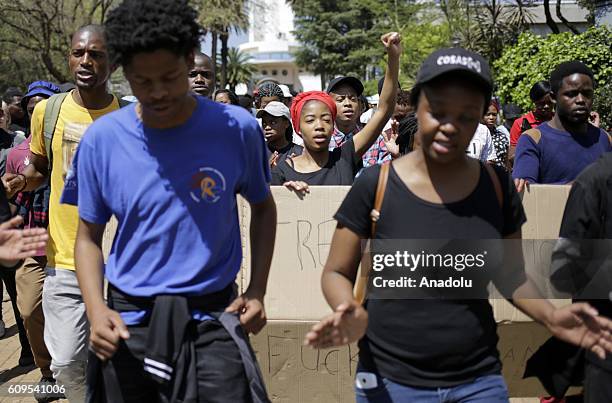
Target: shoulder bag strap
x: 366, y: 263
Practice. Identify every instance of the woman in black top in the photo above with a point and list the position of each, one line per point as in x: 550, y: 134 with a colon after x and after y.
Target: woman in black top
x: 278, y: 131
x: 422, y: 345
x: 313, y: 114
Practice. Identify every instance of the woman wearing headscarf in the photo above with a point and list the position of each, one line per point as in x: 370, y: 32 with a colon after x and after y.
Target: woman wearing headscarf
x: 313, y: 115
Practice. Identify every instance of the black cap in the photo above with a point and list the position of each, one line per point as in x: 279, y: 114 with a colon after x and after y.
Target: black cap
x: 455, y: 59
x: 512, y: 111
x: 353, y: 82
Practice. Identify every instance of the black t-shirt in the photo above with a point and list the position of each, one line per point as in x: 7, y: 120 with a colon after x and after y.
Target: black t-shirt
x: 342, y: 166
x: 286, y: 151
x: 587, y: 217
x: 433, y: 342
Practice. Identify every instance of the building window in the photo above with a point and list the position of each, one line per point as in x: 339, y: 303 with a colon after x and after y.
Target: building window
x: 285, y: 72
x: 264, y: 72
x: 274, y: 72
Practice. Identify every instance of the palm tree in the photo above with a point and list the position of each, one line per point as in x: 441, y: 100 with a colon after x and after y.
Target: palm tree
x: 486, y: 26
x: 219, y: 18
x: 499, y: 25
x: 239, y: 70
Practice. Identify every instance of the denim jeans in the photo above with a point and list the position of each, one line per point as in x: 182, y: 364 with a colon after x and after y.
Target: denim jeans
x: 371, y: 388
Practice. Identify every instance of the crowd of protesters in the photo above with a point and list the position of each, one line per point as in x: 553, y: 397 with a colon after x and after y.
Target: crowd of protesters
x: 450, y: 160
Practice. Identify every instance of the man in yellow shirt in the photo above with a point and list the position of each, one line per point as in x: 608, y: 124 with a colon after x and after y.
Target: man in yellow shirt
x: 66, y: 326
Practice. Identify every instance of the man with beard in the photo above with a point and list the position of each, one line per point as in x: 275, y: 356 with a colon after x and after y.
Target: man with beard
x: 202, y: 76
x: 557, y: 151
x: 51, y: 151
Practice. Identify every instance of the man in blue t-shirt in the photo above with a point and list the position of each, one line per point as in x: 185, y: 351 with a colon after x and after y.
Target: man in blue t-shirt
x: 557, y: 151
x: 169, y: 168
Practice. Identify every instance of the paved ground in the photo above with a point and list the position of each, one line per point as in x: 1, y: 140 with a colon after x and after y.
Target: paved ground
x: 10, y: 349
x: 10, y: 371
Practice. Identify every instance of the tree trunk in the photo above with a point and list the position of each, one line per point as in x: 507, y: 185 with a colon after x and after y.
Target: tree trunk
x: 48, y: 62
x: 549, y: 20
x: 323, y: 83
x: 213, y: 49
x: 224, y: 37
x: 564, y: 20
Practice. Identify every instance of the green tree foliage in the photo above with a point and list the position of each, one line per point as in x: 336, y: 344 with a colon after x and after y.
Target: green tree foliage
x: 533, y: 58
x: 588, y: 5
x: 343, y: 37
x: 486, y: 26
x: 239, y: 70
x: 420, y: 37
x: 337, y: 37
x: 35, y: 37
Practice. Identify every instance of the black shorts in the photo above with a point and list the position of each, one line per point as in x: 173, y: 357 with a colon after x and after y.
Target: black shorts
x: 220, y: 371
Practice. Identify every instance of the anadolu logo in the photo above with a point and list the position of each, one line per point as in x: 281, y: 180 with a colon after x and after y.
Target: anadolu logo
x: 207, y: 184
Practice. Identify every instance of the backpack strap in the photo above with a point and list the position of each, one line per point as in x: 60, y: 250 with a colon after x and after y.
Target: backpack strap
x: 52, y: 111
x: 496, y: 184
x: 366, y: 262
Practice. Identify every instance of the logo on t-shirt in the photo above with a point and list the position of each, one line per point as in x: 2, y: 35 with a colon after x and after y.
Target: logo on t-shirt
x: 207, y: 184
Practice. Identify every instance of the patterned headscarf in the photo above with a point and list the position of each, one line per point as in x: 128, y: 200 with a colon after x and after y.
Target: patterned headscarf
x: 269, y: 90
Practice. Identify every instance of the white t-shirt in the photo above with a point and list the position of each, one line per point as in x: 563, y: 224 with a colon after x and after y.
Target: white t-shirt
x: 367, y: 115
x: 481, y: 146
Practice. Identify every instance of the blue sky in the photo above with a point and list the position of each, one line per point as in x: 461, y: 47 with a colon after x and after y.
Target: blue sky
x: 234, y: 41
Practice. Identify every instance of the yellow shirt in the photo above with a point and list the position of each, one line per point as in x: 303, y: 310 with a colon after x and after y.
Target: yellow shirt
x: 71, y: 124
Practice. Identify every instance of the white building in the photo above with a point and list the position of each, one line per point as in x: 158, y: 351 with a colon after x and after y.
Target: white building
x: 272, y: 45
x: 570, y: 10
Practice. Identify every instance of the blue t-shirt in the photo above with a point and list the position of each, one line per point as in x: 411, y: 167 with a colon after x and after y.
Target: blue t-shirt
x: 558, y: 157
x: 173, y: 192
